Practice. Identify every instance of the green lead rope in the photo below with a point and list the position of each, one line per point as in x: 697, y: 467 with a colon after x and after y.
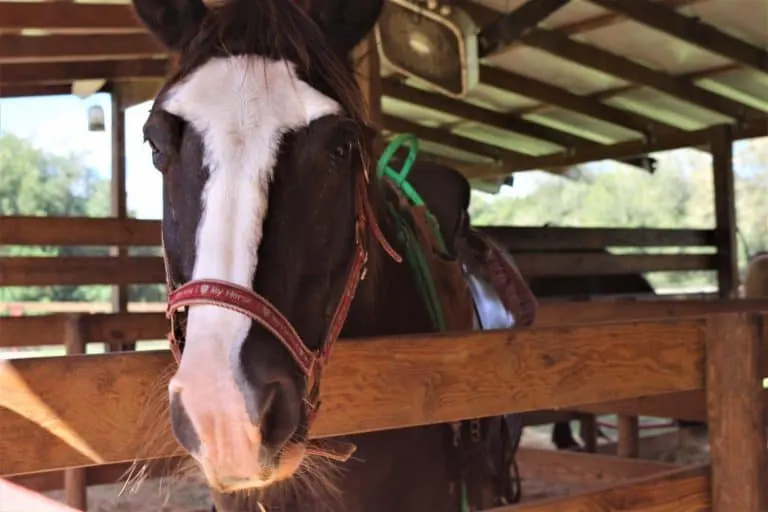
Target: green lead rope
x: 413, y: 253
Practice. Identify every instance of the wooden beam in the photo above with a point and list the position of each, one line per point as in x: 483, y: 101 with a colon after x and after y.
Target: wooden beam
x: 736, y: 416
x: 80, y: 270
x: 28, y: 90
x: 93, y: 231
x: 721, y: 147
x: 470, y: 112
x: 535, y: 238
x: 422, y: 380
x: 689, y: 29
x: 111, y: 328
x: 72, y: 48
x: 57, y: 72
x: 579, y: 263
x: 447, y: 138
x: 681, y: 490
x: 547, y: 93
x: 685, y: 405
x: 68, y: 17
x: 563, y: 313
x: 673, y: 140
x: 565, y: 467
x: 593, y: 57
x: 509, y: 26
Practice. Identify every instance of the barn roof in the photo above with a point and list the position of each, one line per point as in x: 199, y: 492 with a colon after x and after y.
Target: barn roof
x: 596, y: 79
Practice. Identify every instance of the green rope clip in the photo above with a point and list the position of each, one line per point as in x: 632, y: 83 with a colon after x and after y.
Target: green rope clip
x: 400, y: 178
x: 414, y: 255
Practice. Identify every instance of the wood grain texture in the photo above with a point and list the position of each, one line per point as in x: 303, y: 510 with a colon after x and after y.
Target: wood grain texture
x: 684, y: 490
x: 564, y: 467
x: 736, y: 420
x: 80, y: 270
x: 421, y: 380
x: 78, y: 230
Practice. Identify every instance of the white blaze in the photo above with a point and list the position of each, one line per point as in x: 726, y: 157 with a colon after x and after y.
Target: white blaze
x: 240, y: 106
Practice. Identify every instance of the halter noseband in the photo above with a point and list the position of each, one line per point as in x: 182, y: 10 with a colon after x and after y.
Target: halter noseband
x: 249, y: 303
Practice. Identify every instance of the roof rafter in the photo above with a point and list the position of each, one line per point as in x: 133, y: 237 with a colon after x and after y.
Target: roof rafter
x: 691, y: 30
x: 68, y: 17
x: 593, y: 57
x: 17, y: 48
x: 447, y: 138
x: 544, y: 92
x: 58, y: 72
x: 470, y: 112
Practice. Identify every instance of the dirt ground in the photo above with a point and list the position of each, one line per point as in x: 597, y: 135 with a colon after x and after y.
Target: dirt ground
x: 190, y: 494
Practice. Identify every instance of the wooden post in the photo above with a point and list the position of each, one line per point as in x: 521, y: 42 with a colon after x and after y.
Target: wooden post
x: 368, y: 71
x: 629, y: 436
x: 75, y: 489
x: 734, y: 406
x: 588, y: 432
x: 721, y: 146
x: 119, y: 203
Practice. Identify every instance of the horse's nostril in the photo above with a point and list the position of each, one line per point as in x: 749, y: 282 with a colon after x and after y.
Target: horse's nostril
x: 182, y: 426
x: 277, y: 419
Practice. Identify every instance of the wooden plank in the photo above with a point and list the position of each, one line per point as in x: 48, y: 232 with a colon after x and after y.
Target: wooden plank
x: 684, y: 405
x: 579, y: 263
x: 690, y: 29
x: 534, y: 238
x: 593, y: 57
x: 721, y: 146
x: 74, y: 478
x: 736, y: 416
x: 664, y: 142
x: 112, y: 328
x: 565, y: 467
x: 19, y: 48
x: 63, y: 71
x: 422, y: 380
x: 553, y: 95
x: 448, y: 138
x: 66, y: 17
x: 585, y: 312
x: 99, y: 475
x: 27, y: 90
x: 98, y: 231
x: 629, y: 436
x: 80, y: 270
x: 683, y: 490
x: 500, y: 120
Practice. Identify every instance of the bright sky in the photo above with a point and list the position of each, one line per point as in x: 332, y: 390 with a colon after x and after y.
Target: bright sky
x: 59, y: 124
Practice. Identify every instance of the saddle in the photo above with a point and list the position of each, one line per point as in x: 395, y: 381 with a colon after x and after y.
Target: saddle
x: 477, y: 287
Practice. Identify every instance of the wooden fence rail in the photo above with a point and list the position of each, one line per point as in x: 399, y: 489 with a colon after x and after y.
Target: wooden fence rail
x: 423, y: 380
x: 533, y: 248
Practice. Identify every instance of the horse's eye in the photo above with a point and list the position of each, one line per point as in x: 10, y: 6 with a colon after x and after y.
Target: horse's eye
x: 342, y: 151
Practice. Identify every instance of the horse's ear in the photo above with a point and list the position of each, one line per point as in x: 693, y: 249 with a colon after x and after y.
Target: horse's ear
x: 173, y: 22
x: 345, y: 22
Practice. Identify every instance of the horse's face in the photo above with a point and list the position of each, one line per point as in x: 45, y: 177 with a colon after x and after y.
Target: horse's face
x: 260, y: 154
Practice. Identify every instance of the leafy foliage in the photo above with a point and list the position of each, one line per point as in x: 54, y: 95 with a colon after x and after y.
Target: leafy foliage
x: 36, y: 183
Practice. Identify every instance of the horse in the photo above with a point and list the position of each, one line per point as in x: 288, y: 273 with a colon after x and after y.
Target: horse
x: 281, y: 235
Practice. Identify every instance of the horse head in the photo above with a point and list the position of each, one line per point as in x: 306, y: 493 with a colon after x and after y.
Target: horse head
x: 261, y: 138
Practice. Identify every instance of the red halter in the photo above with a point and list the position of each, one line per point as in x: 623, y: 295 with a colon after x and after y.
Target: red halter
x: 251, y: 304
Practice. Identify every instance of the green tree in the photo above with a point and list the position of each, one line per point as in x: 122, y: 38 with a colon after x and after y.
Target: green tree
x: 34, y: 182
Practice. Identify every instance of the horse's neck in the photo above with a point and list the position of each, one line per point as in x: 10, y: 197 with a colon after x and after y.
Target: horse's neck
x: 395, y: 305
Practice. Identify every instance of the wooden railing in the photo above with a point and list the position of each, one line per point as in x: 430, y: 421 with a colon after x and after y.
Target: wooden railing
x: 660, y: 358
